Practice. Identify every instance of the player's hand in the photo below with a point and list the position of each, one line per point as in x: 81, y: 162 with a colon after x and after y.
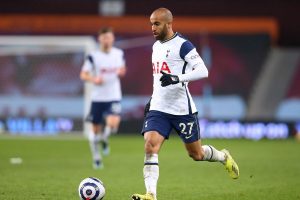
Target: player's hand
x: 168, y: 79
x: 121, y: 72
x: 97, y: 80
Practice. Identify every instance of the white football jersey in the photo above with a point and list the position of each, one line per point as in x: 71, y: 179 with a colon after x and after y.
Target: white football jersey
x: 175, y: 56
x: 99, y: 63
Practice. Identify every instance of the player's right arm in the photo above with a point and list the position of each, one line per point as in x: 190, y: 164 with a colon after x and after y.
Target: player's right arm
x: 86, y: 72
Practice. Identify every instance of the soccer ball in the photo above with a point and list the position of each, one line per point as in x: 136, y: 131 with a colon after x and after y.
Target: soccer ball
x: 91, y: 189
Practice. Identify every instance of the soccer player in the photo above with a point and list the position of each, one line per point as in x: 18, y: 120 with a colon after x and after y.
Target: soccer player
x: 103, y: 68
x: 175, y: 62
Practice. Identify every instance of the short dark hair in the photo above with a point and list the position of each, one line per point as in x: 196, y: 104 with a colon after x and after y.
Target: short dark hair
x: 105, y: 30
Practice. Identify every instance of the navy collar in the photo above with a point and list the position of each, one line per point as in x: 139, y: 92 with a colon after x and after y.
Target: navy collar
x: 175, y: 34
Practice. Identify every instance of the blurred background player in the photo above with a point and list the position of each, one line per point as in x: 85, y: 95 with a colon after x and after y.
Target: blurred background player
x: 175, y: 62
x: 103, y: 68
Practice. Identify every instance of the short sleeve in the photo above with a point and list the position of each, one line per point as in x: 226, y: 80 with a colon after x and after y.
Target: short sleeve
x: 123, y: 62
x: 185, y: 48
x: 88, y: 64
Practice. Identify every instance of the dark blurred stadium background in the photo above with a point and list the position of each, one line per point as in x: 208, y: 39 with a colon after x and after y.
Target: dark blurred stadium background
x: 251, y: 48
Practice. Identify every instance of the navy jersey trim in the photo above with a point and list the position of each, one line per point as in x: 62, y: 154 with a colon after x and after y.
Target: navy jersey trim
x: 197, y: 123
x: 183, y: 85
x: 183, y: 70
x: 185, y: 48
x: 189, y: 101
x: 91, y: 60
x: 169, y: 38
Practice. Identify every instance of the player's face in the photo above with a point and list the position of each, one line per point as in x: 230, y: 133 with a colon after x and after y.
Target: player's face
x: 159, y: 28
x: 106, y: 40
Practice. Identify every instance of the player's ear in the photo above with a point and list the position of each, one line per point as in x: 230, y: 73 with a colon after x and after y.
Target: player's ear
x: 98, y: 38
x: 169, y: 26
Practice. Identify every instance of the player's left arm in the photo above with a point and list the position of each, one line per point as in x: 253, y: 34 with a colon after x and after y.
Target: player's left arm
x: 121, y: 71
x: 199, y: 69
x: 189, y: 54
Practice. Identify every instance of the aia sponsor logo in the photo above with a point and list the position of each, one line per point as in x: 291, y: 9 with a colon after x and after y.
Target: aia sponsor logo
x: 158, y: 67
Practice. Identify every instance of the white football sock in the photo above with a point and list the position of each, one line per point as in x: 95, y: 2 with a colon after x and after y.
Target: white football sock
x: 98, y: 137
x: 114, y: 130
x: 106, y: 133
x: 212, y: 154
x: 151, y: 173
x: 94, y: 145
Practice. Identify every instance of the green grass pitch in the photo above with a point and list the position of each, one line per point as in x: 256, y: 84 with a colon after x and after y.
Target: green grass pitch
x: 53, y: 167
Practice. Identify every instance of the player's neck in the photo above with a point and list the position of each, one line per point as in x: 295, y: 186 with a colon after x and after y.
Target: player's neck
x: 105, y: 49
x: 169, y: 36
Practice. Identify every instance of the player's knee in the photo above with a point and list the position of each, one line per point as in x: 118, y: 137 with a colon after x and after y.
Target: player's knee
x: 113, y: 121
x: 150, y: 147
x: 111, y: 124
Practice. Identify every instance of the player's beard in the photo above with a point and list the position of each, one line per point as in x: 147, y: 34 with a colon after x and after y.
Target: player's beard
x: 106, y: 47
x: 163, y: 34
